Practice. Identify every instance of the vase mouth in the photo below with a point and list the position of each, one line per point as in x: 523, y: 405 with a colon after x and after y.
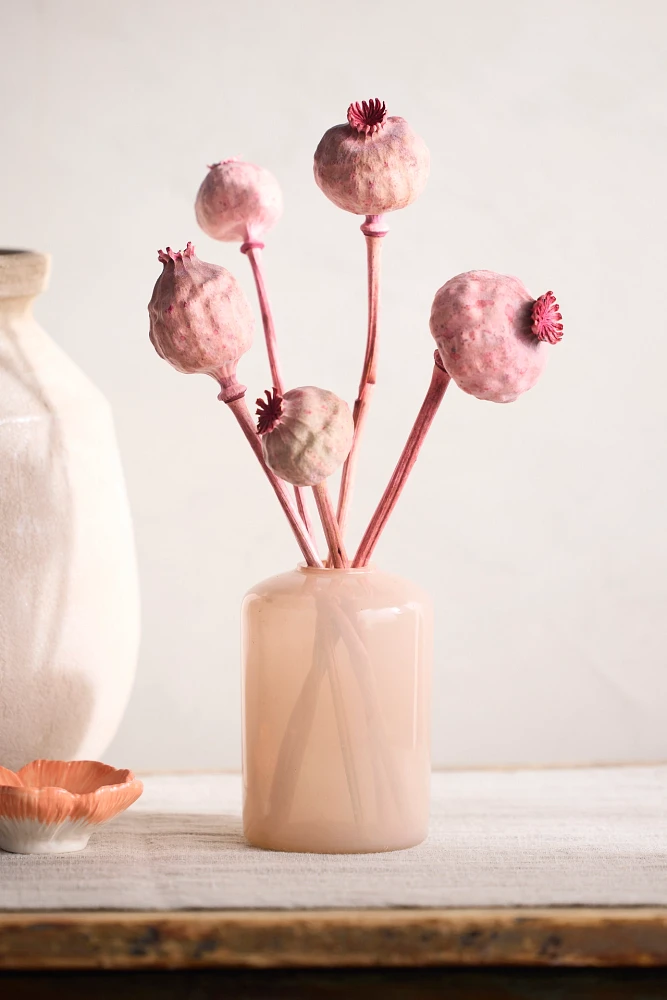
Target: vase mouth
x: 23, y: 273
x: 331, y: 570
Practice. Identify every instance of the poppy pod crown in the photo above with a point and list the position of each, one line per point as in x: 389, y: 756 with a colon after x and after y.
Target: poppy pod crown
x: 373, y: 163
x: 492, y: 335
x: 306, y: 434
x: 200, y: 320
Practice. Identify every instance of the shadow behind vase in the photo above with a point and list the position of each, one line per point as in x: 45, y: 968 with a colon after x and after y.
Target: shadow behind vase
x: 69, y: 615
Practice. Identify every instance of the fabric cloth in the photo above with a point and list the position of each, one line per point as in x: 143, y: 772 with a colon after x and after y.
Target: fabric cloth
x: 590, y: 836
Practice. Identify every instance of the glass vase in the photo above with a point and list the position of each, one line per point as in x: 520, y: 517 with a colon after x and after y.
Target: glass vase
x: 336, y: 711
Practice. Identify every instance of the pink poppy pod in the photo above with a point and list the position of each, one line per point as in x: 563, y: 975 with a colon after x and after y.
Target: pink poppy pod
x: 492, y: 334
x: 200, y: 319
x: 306, y: 434
x: 372, y: 164
x: 238, y: 202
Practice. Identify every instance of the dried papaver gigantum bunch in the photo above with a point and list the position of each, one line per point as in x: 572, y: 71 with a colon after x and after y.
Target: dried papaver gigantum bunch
x: 492, y: 338
x: 492, y: 335
x: 238, y: 202
x: 370, y: 165
x: 200, y: 322
x: 373, y: 163
x: 306, y: 435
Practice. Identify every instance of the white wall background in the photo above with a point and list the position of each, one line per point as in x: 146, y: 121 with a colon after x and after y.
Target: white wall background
x: 539, y: 527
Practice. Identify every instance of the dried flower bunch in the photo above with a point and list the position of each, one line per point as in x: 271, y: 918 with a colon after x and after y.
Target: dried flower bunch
x: 492, y: 336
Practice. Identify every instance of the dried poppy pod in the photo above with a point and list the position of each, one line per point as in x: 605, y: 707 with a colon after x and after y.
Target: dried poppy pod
x: 200, y: 320
x: 492, y: 334
x: 238, y: 202
x: 372, y: 164
x: 306, y: 434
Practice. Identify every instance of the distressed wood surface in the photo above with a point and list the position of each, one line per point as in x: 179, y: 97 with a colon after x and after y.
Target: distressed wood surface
x: 336, y: 938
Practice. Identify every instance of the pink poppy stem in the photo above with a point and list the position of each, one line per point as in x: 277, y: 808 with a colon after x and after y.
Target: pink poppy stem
x: 374, y: 229
x: 436, y: 390
x: 236, y: 402
x: 337, y: 552
x: 253, y: 252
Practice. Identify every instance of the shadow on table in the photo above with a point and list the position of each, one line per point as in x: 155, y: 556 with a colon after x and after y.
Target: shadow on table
x: 363, y: 984
x: 171, y: 832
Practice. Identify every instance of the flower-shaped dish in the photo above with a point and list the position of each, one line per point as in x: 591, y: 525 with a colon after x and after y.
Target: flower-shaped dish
x: 53, y: 806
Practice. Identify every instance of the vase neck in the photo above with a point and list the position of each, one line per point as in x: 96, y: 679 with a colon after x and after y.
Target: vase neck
x: 15, y: 310
x: 23, y: 276
x: 330, y: 573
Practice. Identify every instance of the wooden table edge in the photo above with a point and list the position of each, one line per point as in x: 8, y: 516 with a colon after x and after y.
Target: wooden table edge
x: 629, y: 937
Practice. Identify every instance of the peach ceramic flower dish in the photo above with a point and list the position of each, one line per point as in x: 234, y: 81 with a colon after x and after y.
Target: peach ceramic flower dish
x: 53, y: 806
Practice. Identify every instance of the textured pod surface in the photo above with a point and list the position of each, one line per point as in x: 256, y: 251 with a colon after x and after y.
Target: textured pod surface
x: 238, y: 202
x: 369, y: 174
x: 200, y: 319
x: 309, y: 438
x: 481, y: 322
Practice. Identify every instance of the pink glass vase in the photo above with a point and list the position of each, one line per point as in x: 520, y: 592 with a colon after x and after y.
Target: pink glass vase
x: 336, y: 711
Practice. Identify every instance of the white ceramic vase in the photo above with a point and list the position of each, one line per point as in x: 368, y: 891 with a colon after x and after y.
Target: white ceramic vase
x: 69, y: 606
